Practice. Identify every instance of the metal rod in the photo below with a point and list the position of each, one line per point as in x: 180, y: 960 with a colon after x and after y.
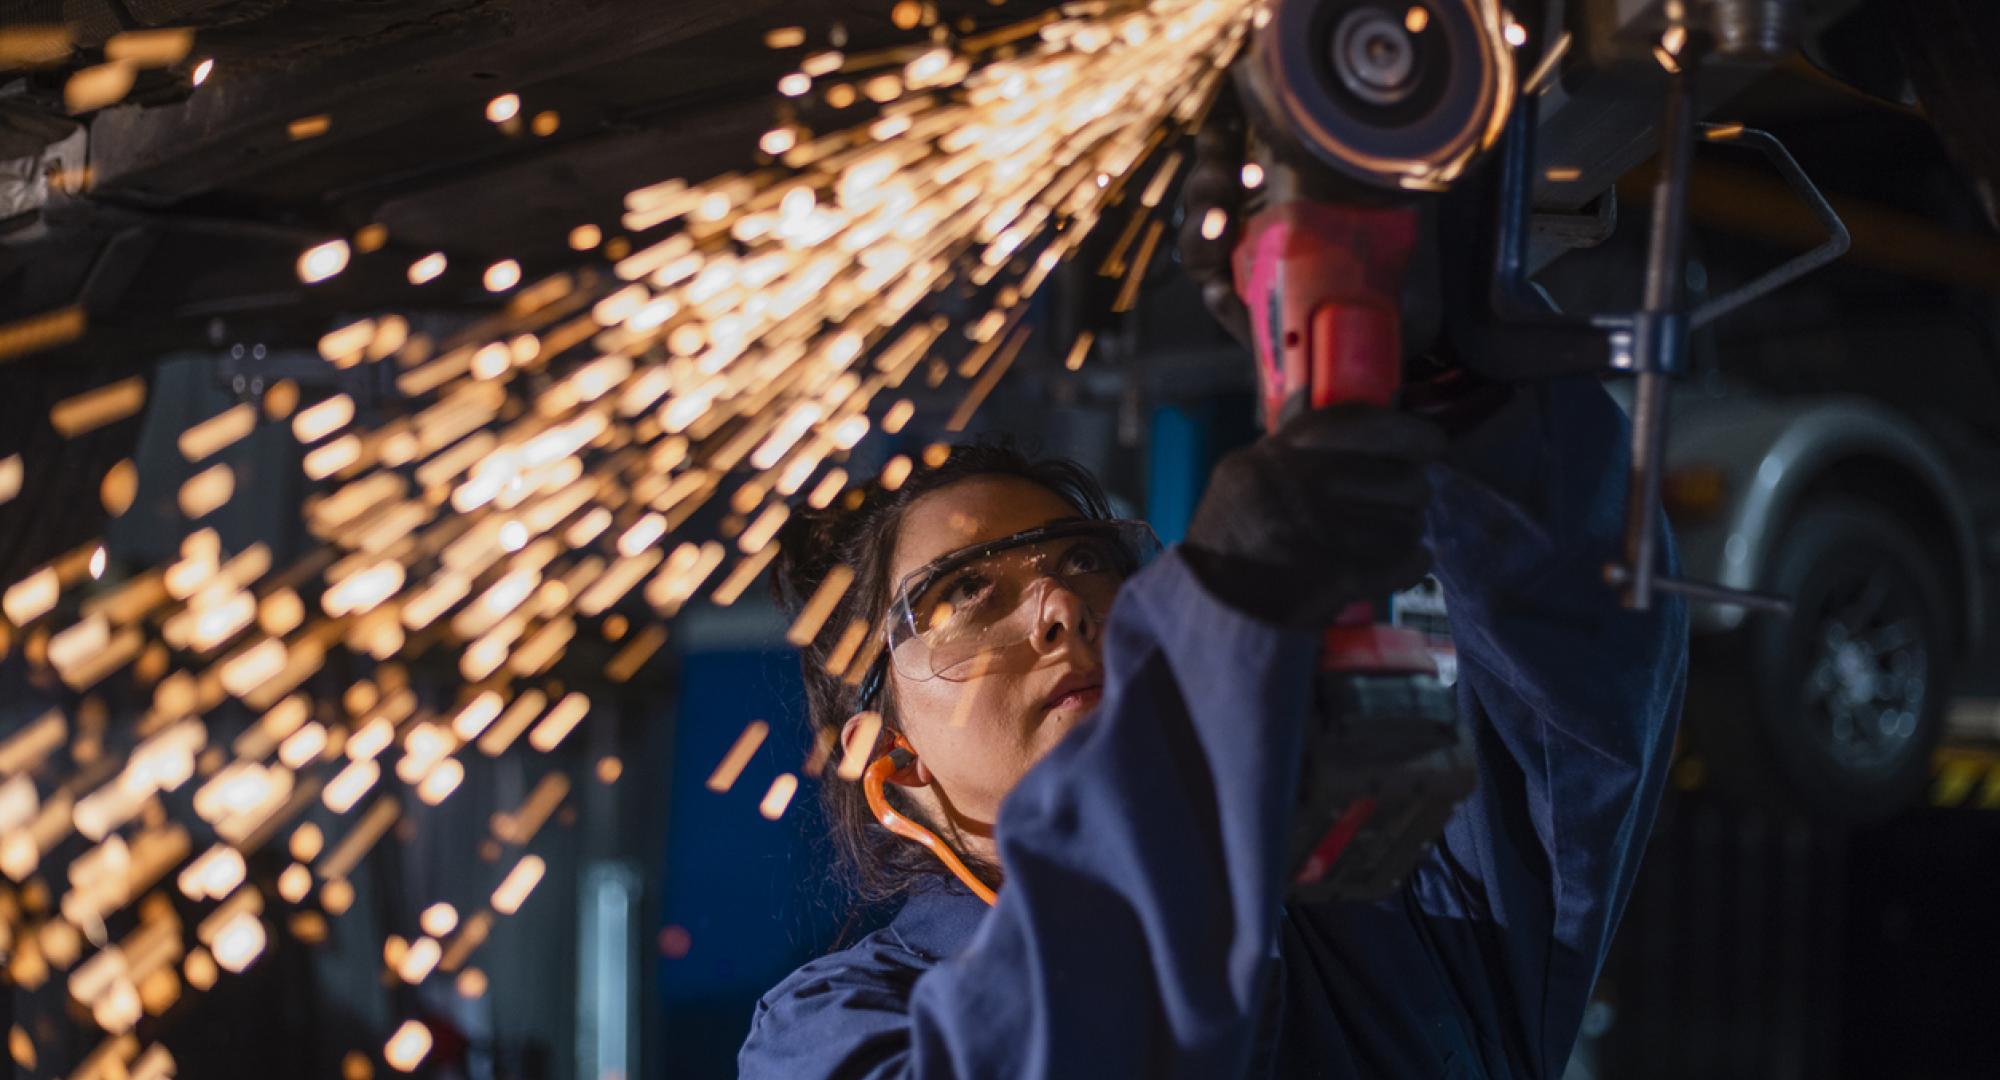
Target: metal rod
x: 1707, y: 593
x: 1662, y: 297
x: 1703, y: 592
x: 1516, y: 203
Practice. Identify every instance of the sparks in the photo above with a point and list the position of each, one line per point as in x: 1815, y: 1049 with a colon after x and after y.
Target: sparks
x: 503, y: 108
x: 502, y: 276
x: 427, y: 268
x: 323, y: 261
x: 548, y: 463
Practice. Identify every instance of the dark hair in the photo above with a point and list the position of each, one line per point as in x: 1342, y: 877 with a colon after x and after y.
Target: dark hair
x: 859, y: 531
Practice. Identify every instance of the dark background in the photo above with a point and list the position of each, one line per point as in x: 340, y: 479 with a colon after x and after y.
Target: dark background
x: 1757, y: 944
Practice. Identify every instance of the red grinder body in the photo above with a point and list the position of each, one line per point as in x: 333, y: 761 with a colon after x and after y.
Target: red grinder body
x: 1324, y: 283
x: 1385, y: 762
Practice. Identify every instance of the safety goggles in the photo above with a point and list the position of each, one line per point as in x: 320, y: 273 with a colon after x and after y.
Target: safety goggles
x: 950, y: 618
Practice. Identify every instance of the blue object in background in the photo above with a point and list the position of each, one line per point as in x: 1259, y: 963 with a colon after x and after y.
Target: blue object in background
x: 1176, y: 468
x: 754, y: 897
x: 1182, y: 447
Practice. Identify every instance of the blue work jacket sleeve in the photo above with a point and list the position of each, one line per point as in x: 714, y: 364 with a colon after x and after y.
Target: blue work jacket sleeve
x: 1573, y: 702
x: 1144, y: 863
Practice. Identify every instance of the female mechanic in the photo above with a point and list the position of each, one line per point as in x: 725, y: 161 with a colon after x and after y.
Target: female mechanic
x: 1099, y: 792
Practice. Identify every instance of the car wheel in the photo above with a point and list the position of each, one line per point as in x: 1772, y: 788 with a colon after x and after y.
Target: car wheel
x: 1836, y: 711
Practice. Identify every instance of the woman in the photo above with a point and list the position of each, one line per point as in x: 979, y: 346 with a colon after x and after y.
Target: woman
x: 1121, y: 776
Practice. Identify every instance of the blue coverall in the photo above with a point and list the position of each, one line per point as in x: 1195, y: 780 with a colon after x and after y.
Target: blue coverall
x: 1142, y: 930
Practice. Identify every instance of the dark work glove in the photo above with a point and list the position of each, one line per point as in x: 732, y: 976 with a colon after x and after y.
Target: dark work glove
x: 1216, y: 184
x: 1324, y: 512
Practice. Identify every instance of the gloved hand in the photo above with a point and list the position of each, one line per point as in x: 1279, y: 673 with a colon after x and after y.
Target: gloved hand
x: 1326, y: 511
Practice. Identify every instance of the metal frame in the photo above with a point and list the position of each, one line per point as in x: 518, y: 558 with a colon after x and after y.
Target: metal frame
x: 1527, y: 341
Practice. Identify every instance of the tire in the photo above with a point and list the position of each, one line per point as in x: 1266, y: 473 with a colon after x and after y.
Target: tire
x: 1833, y: 713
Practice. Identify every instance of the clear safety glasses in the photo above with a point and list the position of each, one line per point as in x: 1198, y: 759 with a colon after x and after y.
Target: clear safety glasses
x: 977, y: 601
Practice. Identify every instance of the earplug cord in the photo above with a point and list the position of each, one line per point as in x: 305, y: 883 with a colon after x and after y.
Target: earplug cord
x: 878, y: 773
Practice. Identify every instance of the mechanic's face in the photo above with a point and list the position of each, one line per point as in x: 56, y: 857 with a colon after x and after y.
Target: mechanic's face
x: 976, y: 732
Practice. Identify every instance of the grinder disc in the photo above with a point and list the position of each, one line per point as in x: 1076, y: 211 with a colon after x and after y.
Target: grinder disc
x: 1397, y: 94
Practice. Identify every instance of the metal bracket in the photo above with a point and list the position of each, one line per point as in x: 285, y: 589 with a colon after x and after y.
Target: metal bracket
x: 28, y: 183
x: 1837, y: 241
x: 1552, y: 234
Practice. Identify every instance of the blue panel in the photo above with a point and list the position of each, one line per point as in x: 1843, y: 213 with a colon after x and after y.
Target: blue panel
x: 1187, y: 439
x: 752, y: 895
x: 1176, y: 467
